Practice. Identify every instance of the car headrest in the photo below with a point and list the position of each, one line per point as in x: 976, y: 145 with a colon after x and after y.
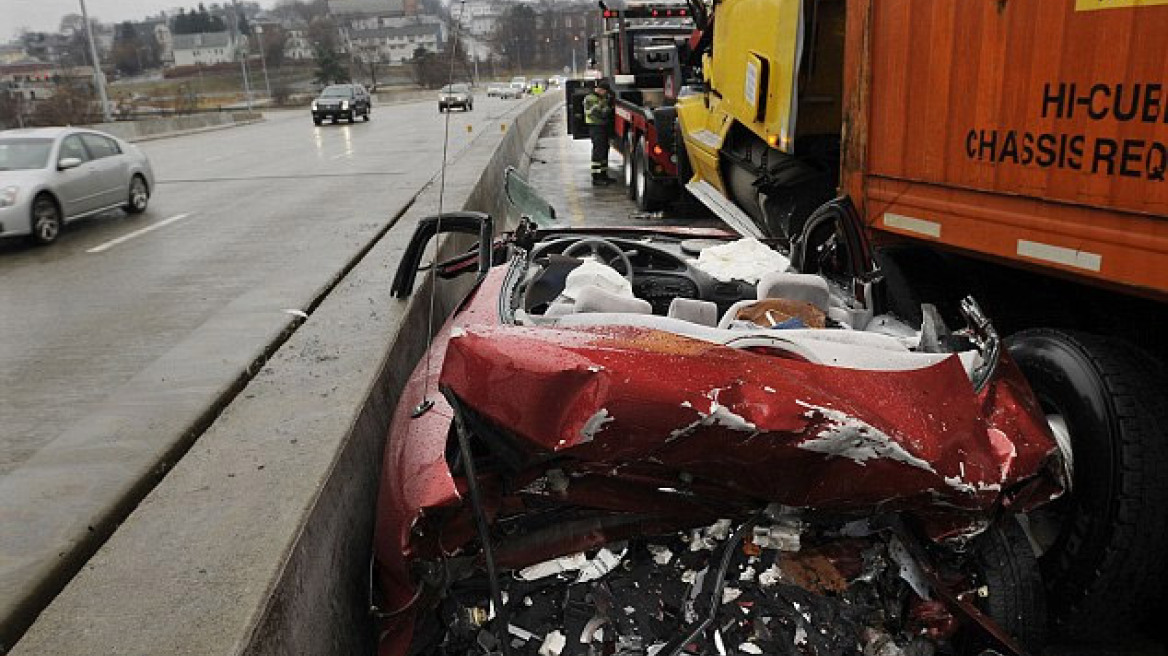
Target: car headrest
x: 796, y: 287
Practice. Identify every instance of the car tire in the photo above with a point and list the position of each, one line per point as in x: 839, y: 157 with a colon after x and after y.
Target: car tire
x: 1103, y: 559
x: 628, y: 168
x: 367, y: 115
x: 651, y: 193
x: 352, y: 117
x: 139, y: 196
x: 1007, y: 570
x: 317, y: 121
x: 45, y: 223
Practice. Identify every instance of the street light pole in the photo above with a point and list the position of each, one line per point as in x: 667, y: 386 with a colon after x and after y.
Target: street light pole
x: 98, y: 76
x: 264, y: 59
x: 243, y: 59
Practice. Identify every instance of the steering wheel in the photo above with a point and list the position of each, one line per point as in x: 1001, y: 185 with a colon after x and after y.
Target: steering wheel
x: 592, y: 246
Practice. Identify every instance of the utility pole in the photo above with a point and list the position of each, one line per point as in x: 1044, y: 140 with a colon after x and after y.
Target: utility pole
x: 98, y: 76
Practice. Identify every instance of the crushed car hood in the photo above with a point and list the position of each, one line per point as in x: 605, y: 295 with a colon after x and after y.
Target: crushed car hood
x: 773, y: 428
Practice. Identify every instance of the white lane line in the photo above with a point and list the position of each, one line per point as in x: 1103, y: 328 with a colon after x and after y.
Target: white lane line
x: 137, y: 233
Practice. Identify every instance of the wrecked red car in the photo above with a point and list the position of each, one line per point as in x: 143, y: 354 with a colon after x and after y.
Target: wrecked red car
x: 675, y: 441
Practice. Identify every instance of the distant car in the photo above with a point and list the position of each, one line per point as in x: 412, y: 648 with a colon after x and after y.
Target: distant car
x: 513, y: 90
x: 455, y: 95
x: 339, y: 101
x: 496, y: 90
x: 50, y: 176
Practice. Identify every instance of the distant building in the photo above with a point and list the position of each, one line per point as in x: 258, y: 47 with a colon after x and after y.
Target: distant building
x: 394, y: 45
x: 35, y: 81
x: 479, y: 17
x: 296, y: 45
x: 351, y: 9
x: 203, y: 49
x: 12, y: 54
x: 165, y: 40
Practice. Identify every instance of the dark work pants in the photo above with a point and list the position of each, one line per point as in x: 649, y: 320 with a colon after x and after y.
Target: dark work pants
x: 599, y: 135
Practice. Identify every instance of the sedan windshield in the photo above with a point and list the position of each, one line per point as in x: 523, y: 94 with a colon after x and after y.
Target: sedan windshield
x: 337, y: 92
x: 454, y: 88
x: 18, y: 154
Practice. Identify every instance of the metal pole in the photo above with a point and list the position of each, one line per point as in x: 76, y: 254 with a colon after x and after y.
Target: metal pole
x: 243, y: 58
x: 98, y: 76
x: 264, y: 60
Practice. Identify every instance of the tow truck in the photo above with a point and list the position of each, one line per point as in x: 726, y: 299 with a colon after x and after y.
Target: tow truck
x: 990, y: 151
x: 638, y: 54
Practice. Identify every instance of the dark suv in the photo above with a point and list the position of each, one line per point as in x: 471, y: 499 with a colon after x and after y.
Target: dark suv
x: 339, y: 101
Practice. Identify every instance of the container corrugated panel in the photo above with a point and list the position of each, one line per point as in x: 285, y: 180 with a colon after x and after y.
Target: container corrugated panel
x: 1035, y: 130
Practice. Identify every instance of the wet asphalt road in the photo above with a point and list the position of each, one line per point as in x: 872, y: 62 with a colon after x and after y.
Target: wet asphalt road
x: 234, y: 212
x: 561, y: 171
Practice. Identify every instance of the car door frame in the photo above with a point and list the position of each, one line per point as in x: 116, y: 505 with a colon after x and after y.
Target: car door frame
x: 78, y: 188
x: 112, y: 171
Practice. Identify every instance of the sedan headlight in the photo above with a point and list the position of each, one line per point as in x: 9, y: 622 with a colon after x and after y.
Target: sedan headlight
x: 314, y: 105
x: 344, y: 104
x: 8, y: 196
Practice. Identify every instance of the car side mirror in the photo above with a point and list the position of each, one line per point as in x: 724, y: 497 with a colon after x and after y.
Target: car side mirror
x: 68, y: 163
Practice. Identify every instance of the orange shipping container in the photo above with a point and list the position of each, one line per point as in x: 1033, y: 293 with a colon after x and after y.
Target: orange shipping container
x: 1029, y: 131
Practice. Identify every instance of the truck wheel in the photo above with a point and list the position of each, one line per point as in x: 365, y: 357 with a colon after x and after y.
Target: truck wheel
x: 627, y: 169
x: 1101, y: 547
x: 652, y: 194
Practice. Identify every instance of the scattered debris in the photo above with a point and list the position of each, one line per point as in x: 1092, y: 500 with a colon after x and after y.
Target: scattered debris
x: 827, y: 595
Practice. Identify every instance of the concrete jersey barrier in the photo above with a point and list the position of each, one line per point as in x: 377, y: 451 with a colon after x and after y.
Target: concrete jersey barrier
x: 172, y: 125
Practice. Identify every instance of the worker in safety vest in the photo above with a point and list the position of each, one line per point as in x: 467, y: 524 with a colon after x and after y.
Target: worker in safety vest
x: 598, y: 115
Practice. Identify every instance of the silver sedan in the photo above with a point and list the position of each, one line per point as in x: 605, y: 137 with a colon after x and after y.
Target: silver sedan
x: 50, y: 176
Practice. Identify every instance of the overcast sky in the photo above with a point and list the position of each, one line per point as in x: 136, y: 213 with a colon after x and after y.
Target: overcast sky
x: 45, y: 15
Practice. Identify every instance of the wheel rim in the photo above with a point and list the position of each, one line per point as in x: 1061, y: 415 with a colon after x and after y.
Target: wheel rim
x: 138, y: 195
x: 46, y: 224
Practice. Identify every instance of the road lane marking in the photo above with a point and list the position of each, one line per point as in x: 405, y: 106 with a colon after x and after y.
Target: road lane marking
x: 101, y: 248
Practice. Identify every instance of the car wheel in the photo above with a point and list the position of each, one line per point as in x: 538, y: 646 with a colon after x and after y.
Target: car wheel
x: 46, y: 220
x: 139, y: 196
x: 1101, y: 547
x: 1004, y: 566
x: 628, y: 166
x: 651, y: 193
x: 367, y: 115
x: 352, y: 117
x: 316, y: 121
x: 440, y: 109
